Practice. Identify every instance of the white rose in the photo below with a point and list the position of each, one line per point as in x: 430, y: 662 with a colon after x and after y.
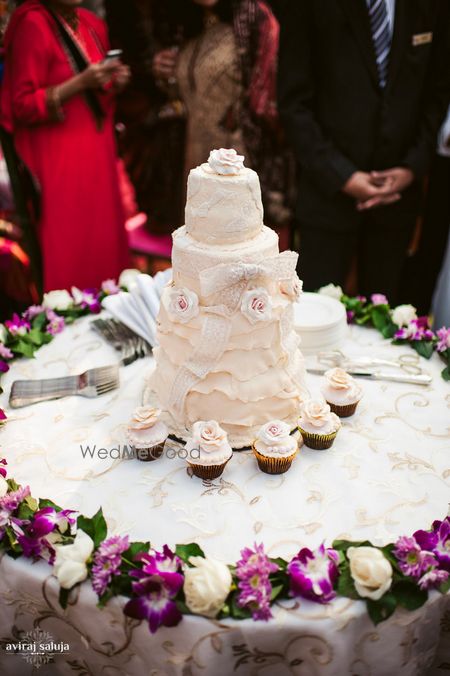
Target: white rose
x: 128, y: 278
x: 339, y: 379
x: 208, y: 435
x: 317, y: 413
x: 226, y: 161
x: 206, y: 586
x: 183, y: 305
x: 402, y: 315
x: 256, y: 305
x: 3, y: 486
x: 57, y: 300
x: 332, y: 291
x: 70, y: 560
x: 274, y: 432
x: 371, y: 571
x: 3, y: 333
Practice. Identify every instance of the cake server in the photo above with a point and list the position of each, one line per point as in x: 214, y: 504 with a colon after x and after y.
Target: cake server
x: 422, y: 379
x: 92, y: 383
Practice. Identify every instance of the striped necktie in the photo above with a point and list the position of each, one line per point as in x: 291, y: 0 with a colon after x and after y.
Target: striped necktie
x: 381, y: 36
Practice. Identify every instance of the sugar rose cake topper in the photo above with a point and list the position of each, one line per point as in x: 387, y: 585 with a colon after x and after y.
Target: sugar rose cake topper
x: 226, y: 162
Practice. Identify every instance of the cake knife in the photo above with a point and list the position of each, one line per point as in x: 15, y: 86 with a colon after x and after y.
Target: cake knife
x: 422, y: 379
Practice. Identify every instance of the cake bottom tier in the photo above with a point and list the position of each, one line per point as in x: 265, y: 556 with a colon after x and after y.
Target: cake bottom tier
x: 241, y: 417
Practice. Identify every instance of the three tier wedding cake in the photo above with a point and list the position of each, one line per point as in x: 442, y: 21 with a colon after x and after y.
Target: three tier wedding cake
x: 228, y: 349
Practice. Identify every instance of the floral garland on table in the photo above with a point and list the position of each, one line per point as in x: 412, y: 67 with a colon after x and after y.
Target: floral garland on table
x: 162, y: 586
x: 401, y: 323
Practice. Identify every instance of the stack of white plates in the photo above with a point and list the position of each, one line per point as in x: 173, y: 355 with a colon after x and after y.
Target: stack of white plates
x: 321, y: 322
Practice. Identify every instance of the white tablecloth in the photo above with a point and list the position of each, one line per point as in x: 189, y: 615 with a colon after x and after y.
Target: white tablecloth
x: 387, y: 474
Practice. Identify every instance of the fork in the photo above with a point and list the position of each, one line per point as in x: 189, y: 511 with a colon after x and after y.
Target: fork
x: 91, y: 383
x: 124, y: 340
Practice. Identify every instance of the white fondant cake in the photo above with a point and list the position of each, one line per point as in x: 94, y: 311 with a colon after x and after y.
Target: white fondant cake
x: 227, y: 349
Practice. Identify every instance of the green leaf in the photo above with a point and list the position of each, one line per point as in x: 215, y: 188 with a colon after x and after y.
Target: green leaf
x: 13, y: 485
x: 345, y: 584
x: 446, y: 373
x: 96, y: 527
x: 382, y: 609
x: 409, y: 595
x: 380, y: 317
x: 48, y: 503
x: 343, y: 545
x: 444, y: 588
x: 184, y: 552
x: 25, y: 512
x: 36, y: 336
x: 39, y: 321
x: 281, y: 563
x: 136, y: 548
x: 423, y: 347
x: 25, y: 349
x: 276, y: 591
x: 64, y: 597
x: 389, y: 331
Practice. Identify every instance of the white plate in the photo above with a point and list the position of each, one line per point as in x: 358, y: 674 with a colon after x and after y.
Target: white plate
x: 321, y: 322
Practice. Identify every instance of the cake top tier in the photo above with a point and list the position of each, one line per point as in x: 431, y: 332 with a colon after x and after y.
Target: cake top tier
x: 223, y: 200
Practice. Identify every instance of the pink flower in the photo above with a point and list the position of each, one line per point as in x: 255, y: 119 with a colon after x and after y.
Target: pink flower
x: 5, y: 352
x: 444, y: 339
x: 314, y: 574
x: 32, y: 312
x: 433, y: 578
x: 183, y: 305
x: 17, y: 326
x: 55, y: 323
x: 417, y: 329
x: 254, y: 585
x: 256, y: 305
x: 110, y: 287
x: 4, y: 368
x: 379, y: 299
x: 2, y: 416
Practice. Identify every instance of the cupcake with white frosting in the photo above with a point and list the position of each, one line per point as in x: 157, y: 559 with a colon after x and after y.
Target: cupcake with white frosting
x: 275, y: 448
x: 342, y: 393
x: 318, y: 425
x: 208, y: 449
x: 147, y: 433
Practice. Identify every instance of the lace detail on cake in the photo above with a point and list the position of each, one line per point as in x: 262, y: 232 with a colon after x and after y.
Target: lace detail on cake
x: 213, y: 342
x: 227, y: 282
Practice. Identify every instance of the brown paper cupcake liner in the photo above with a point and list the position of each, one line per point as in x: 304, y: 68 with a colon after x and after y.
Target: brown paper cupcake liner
x: 319, y: 442
x: 343, y: 411
x: 273, y: 465
x: 151, y: 453
x: 207, y: 471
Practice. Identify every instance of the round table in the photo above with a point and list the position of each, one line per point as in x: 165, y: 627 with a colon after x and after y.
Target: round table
x: 387, y: 474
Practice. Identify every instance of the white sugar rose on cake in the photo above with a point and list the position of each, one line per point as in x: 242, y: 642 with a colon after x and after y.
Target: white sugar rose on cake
x: 208, y: 450
x: 275, y: 447
x: 227, y: 348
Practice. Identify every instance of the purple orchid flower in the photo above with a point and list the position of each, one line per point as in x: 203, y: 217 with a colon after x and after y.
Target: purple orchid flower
x: 3, y: 471
x: 313, y: 574
x: 444, y: 339
x: 350, y: 316
x: 4, y: 368
x: 110, y: 288
x: 155, y: 600
x: 417, y: 329
x: 412, y: 559
x: 157, y: 584
x: 379, y: 299
x: 107, y: 561
x: 47, y: 520
x: 5, y: 352
x: 55, y: 324
x: 8, y: 505
x: 17, y: 326
x: 363, y: 299
x: 2, y: 412
x: 437, y: 541
x: 89, y: 299
x: 254, y: 585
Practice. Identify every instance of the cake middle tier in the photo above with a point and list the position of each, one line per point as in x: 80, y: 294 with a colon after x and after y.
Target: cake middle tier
x: 190, y: 257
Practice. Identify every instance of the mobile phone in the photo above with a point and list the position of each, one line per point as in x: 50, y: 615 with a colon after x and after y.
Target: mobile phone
x: 113, y: 54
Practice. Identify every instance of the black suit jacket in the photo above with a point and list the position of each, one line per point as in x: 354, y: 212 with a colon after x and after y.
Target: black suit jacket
x: 335, y: 114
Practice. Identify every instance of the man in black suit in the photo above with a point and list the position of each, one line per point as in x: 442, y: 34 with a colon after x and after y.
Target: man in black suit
x: 363, y: 88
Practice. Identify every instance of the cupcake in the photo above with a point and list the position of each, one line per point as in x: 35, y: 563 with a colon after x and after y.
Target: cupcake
x: 147, y: 434
x: 342, y: 393
x: 275, y: 447
x: 318, y: 425
x: 208, y: 449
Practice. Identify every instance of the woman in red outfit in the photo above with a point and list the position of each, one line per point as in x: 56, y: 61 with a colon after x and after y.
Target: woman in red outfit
x: 57, y: 100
